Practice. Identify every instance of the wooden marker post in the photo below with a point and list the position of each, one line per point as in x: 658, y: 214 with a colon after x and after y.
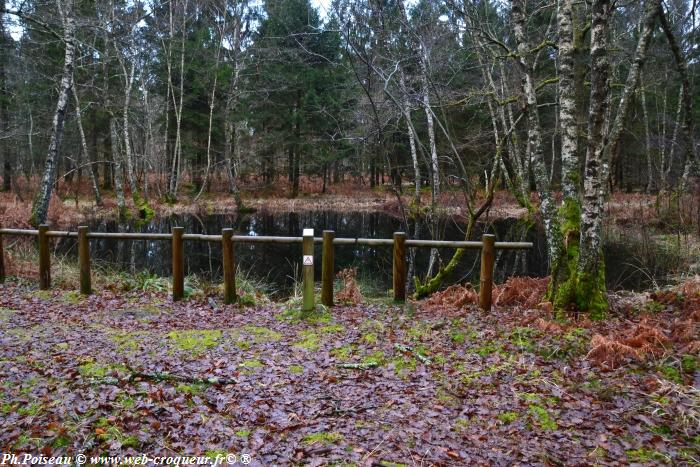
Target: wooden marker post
x: 399, y: 269
x: 84, y: 260
x: 178, y: 264
x: 307, y: 251
x: 327, y: 268
x: 44, y: 258
x: 488, y: 257
x: 227, y: 249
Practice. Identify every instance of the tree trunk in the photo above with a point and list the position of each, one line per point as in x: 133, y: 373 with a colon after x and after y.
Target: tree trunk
x: 128, y: 156
x: 690, y: 154
x: 212, y: 102
x: 564, y: 266
x: 406, y: 110
x: 4, y: 114
x: 177, y: 106
x: 40, y: 208
x: 647, y: 144
x: 651, y: 11
x: 534, y: 134
x: 570, y: 179
x: 117, y: 167
x: 434, y: 163
x: 667, y: 157
x: 590, y: 280
x: 83, y: 146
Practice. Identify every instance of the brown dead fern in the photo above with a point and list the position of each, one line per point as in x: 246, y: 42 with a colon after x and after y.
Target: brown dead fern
x: 454, y: 297
x: 351, y: 291
x: 611, y: 353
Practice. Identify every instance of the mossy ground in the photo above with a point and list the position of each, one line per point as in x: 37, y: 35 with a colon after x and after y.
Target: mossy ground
x: 338, y: 385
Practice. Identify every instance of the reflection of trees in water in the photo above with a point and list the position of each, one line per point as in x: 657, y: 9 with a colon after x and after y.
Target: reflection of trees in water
x: 512, y: 263
x: 273, y: 262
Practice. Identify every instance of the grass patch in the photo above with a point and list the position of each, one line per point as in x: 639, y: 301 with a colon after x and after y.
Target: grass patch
x: 487, y: 349
x: 32, y: 409
x: 522, y: 337
x: 672, y: 373
x: 689, y: 363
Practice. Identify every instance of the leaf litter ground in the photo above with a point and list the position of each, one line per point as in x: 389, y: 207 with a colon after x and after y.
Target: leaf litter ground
x: 132, y: 373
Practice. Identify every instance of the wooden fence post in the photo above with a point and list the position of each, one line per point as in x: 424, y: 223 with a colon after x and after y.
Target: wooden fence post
x: 307, y: 251
x: 227, y: 250
x: 488, y: 257
x: 2, y: 261
x: 44, y: 258
x: 399, y: 269
x: 84, y: 260
x: 327, y: 268
x: 178, y: 264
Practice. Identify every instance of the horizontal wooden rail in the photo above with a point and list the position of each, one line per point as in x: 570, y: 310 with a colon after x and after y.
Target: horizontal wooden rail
x: 272, y: 239
x: 487, y: 245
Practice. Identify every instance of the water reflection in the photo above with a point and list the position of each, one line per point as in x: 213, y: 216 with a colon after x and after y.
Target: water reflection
x: 278, y: 264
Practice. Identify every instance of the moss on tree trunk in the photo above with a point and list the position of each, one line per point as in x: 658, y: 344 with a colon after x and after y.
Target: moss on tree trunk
x: 571, y: 288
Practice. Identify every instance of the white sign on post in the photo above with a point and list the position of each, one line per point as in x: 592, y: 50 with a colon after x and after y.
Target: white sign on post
x: 308, y: 260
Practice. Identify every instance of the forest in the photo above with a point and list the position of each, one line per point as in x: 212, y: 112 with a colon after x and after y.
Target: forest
x: 564, y: 128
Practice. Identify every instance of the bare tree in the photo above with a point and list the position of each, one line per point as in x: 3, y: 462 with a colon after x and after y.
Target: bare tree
x: 40, y: 207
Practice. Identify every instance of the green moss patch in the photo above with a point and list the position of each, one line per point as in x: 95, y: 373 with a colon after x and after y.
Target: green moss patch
x: 72, y: 298
x: 5, y: 314
x: 195, y: 341
x: 376, y: 358
x: 542, y: 418
x: 343, y: 353
x: 309, y: 341
x: 644, y: 455
x: 323, y: 438
x: 243, y: 433
x: 252, y: 364
x: 262, y: 334
x: 507, y: 417
x: 99, y: 370
x: 191, y: 388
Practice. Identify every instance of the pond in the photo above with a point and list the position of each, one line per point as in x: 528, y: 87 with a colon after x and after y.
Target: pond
x: 278, y: 265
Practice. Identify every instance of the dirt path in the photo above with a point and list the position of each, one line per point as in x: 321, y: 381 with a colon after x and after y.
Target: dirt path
x: 131, y: 373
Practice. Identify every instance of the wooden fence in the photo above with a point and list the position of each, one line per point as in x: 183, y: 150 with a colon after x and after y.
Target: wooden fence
x: 228, y: 240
